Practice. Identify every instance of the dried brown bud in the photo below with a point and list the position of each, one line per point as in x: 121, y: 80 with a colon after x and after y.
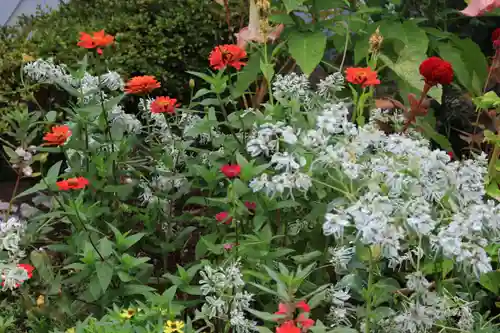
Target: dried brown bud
x: 375, y: 41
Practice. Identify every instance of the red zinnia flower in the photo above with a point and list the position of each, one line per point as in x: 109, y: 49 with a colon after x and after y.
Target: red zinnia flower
x: 97, y: 40
x: 224, y: 217
x: 231, y: 171
x: 288, y: 327
x: 364, y: 76
x: 227, y: 55
x: 57, y: 136
x: 495, y: 35
x: 303, y: 306
x: 164, y: 104
x: 72, y: 184
x: 435, y: 70
x: 141, y: 85
x: 251, y: 205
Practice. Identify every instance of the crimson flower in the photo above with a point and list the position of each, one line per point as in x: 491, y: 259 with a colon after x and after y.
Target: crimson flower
x: 231, y: 170
x: 304, y: 322
x: 141, y: 85
x: 251, y: 205
x: 164, y: 104
x: 224, y: 217
x: 227, y: 55
x: 288, y: 327
x: 282, y: 309
x: 72, y: 184
x: 96, y: 40
x: 303, y: 306
x: 57, y: 136
x: 364, y: 76
x: 436, y: 71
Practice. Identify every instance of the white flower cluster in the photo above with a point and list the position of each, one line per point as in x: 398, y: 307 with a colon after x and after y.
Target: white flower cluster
x: 340, y: 310
x: 90, y: 86
x: 11, y: 232
x: 424, y: 308
x: 128, y: 122
x: 24, y: 160
x: 225, y: 297
x: 291, y: 86
x: 330, y: 85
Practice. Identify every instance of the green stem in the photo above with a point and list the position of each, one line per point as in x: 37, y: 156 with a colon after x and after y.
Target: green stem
x: 369, y: 293
x: 224, y: 112
x: 14, y: 193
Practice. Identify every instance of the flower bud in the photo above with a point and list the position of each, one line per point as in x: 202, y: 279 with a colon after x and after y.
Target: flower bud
x: 191, y: 83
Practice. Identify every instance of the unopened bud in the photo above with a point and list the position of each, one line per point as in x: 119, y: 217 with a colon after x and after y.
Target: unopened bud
x: 191, y: 83
x: 375, y: 41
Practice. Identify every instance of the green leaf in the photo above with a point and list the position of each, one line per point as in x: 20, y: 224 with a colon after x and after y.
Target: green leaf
x: 267, y: 70
x: 41, y: 262
x: 51, y: 116
x: 263, y: 329
x: 10, y: 152
x: 104, y: 274
x: 307, y: 48
x: 487, y: 101
x: 138, y: 289
x: 475, y: 60
x: 453, y: 55
x: 292, y: 5
x: 343, y: 330
x: 34, y: 189
x: 307, y: 257
x: 53, y: 173
x: 491, y: 281
x: 247, y: 75
x: 95, y: 288
x: 265, y: 315
x: 430, y: 132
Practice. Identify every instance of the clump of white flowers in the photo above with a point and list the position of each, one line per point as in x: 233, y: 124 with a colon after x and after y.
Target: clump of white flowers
x: 88, y: 85
x: 225, y: 298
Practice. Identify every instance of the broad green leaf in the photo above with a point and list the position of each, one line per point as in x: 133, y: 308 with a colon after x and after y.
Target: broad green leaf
x: 138, y: 289
x: 307, y: 257
x: 307, y: 48
x: 10, y: 152
x: 104, y: 274
x: 475, y: 60
x: 267, y: 70
x: 95, y: 288
x: 491, y: 281
x: 454, y: 56
x: 53, y: 173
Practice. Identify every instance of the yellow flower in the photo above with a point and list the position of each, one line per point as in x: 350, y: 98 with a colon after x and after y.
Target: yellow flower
x: 127, y: 314
x: 40, y: 301
x: 71, y: 330
x: 171, y: 326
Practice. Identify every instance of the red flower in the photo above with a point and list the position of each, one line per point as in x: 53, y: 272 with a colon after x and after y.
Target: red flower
x: 450, y: 153
x: 251, y: 205
x: 282, y: 309
x: 435, y: 70
x: 364, y: 76
x: 304, y: 322
x: 141, y: 85
x: 303, y: 306
x: 97, y: 40
x: 227, y: 55
x: 28, y: 268
x: 164, y: 104
x: 72, y: 184
x: 231, y: 171
x: 57, y: 136
x: 224, y: 217
x: 288, y: 327
x: 495, y: 35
